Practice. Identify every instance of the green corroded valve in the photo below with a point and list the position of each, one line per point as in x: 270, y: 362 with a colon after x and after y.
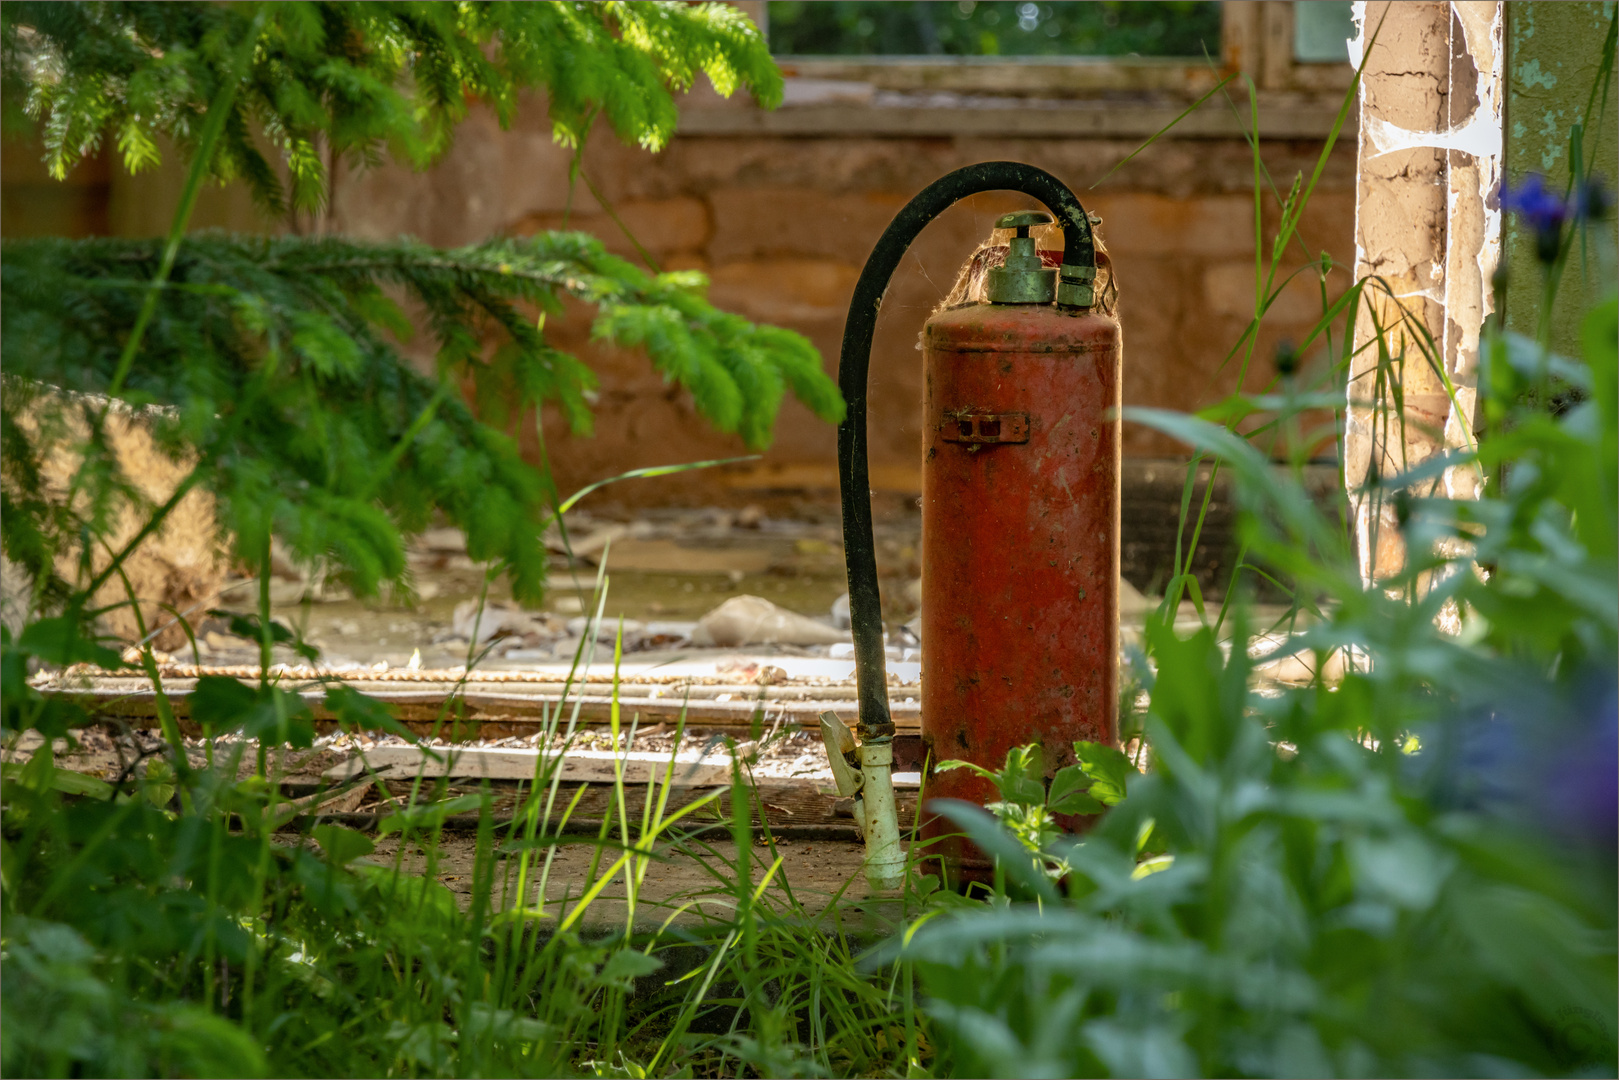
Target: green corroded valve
x: 1023, y: 278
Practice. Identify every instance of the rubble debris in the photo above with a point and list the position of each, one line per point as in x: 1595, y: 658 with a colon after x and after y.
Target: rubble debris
x: 442, y: 541
x: 500, y: 619
x: 753, y: 671
x: 586, y: 547
x: 753, y: 620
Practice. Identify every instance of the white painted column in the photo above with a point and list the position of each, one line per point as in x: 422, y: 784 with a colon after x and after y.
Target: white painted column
x: 1427, y: 236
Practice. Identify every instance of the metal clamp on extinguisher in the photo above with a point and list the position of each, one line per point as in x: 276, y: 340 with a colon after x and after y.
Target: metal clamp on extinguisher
x: 1020, y: 517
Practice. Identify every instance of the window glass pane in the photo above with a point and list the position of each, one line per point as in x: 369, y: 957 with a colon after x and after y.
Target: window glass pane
x: 994, y: 28
x: 1321, y: 31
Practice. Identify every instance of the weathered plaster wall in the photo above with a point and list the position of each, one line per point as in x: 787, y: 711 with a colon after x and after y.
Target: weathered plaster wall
x: 782, y: 209
x: 783, y: 224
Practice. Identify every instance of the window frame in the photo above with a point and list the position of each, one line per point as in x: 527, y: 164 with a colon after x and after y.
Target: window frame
x: 1082, y: 96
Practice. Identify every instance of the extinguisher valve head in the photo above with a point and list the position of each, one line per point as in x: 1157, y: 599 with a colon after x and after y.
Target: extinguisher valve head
x: 1023, y: 220
x: 1024, y: 277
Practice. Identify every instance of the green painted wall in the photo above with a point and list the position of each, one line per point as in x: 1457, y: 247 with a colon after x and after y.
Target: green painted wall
x: 1554, y: 61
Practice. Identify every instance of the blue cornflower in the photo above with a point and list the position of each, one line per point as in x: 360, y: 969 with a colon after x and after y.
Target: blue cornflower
x: 1544, y: 211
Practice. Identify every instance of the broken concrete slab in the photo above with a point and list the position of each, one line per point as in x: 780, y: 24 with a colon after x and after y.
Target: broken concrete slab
x: 578, y: 766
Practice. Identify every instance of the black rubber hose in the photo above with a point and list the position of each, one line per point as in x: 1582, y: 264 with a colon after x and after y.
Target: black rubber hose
x: 854, y: 481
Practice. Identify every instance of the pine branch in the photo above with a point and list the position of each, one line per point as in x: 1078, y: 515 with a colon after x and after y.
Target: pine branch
x: 370, y: 76
x: 270, y: 362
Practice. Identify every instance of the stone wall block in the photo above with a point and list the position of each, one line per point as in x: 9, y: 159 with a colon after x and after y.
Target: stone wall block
x: 662, y: 226
x: 1218, y: 225
x: 784, y: 290
x: 800, y: 221
x: 1228, y: 288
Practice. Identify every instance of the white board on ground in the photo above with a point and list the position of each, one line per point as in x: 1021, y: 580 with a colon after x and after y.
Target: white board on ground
x: 588, y: 766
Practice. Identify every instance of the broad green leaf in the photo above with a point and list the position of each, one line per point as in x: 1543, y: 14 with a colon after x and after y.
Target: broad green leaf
x: 360, y: 712
x: 999, y: 844
x: 1109, y: 770
x: 59, y: 640
x: 627, y: 965
x: 159, y: 785
x: 342, y: 846
x: 47, y: 776
x: 249, y: 626
x: 218, y: 703
x: 1068, y: 793
x: 429, y: 815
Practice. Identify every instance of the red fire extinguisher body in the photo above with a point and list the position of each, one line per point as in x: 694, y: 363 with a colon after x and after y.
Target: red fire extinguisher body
x: 1020, y: 541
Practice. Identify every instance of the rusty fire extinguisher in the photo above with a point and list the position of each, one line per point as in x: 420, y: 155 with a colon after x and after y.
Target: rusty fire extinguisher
x: 1020, y: 513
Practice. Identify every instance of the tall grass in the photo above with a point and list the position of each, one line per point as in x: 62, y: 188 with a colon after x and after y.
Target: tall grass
x: 193, y: 923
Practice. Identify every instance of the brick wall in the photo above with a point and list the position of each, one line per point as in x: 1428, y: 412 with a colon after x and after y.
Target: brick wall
x: 783, y: 224
x: 780, y: 210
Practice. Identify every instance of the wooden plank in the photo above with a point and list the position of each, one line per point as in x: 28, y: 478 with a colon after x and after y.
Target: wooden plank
x: 587, y: 766
x: 423, y: 709
x: 578, y: 766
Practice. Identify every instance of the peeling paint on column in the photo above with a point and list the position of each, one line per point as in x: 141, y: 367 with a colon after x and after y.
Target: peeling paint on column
x: 1428, y: 227
x: 1436, y: 107
x: 1473, y: 211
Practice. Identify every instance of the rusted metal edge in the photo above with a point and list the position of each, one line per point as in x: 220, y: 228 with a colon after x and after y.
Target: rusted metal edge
x: 1027, y: 349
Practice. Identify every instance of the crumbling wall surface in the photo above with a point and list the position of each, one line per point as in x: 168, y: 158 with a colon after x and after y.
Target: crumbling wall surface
x: 1474, y: 160
x: 782, y: 226
x: 1427, y: 237
x: 781, y: 210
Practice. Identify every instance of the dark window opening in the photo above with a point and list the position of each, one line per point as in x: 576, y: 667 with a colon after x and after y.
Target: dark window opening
x: 1189, y: 28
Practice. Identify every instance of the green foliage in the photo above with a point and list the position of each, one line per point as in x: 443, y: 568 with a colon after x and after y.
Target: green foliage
x: 1026, y: 805
x: 1406, y: 871
x: 357, y: 79
x: 200, y: 925
x: 1406, y: 868
x: 271, y: 364
x: 62, y: 1020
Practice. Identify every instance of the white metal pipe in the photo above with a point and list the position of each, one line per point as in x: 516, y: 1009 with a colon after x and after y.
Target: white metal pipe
x: 885, y: 859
